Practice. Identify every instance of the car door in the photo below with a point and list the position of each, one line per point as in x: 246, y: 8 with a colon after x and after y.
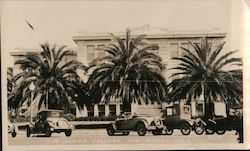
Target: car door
x: 129, y: 123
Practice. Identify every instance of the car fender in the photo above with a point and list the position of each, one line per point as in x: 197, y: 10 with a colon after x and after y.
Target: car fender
x: 200, y: 120
x: 113, y: 125
x: 190, y: 122
x: 15, y: 128
x: 212, y: 121
x: 144, y: 122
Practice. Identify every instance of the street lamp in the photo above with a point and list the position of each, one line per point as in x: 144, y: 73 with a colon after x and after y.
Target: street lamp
x: 32, y: 88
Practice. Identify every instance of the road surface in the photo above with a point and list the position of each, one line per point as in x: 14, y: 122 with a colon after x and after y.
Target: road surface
x: 99, y: 136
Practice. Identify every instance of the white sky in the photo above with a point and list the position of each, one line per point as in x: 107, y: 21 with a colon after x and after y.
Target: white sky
x: 57, y: 21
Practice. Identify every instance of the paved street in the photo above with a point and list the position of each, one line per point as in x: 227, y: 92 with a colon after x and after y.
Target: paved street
x: 88, y: 136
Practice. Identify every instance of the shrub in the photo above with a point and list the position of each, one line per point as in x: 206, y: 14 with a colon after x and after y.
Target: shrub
x: 69, y: 116
x: 99, y: 118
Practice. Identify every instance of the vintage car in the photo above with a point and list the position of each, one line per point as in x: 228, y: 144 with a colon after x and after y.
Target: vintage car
x: 12, y: 129
x: 136, y: 122
x: 48, y: 122
x: 221, y: 124
x: 179, y: 117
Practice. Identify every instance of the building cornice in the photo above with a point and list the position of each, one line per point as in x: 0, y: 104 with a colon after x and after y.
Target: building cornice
x: 94, y: 37
x: 24, y: 53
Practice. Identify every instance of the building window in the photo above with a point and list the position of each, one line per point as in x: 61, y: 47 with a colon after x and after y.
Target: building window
x: 199, y: 109
x: 101, y: 110
x: 90, y: 111
x: 174, y: 50
x: 186, y: 46
x: 90, y: 52
x: 112, y: 109
x: 100, y: 51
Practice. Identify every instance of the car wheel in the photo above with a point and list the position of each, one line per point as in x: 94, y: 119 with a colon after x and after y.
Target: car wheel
x: 68, y: 133
x: 169, y: 131
x: 185, y: 128
x: 47, y: 132
x: 141, y: 129
x: 28, y: 132
x: 13, y: 134
x: 221, y: 132
x: 157, y: 132
x: 209, y: 131
x: 199, y: 128
x: 125, y: 133
x: 110, y: 130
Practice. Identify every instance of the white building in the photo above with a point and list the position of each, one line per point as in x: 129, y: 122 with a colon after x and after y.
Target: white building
x: 89, y: 47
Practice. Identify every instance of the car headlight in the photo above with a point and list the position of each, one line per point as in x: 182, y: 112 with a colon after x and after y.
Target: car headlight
x: 9, y: 128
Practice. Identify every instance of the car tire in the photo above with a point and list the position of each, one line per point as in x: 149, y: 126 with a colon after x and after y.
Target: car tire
x: 68, y: 133
x: 199, y: 128
x: 28, y: 132
x: 110, y: 130
x: 221, y: 132
x: 47, y: 131
x: 169, y: 131
x: 13, y: 134
x: 185, y: 128
x: 157, y: 132
x: 141, y: 129
x: 209, y: 131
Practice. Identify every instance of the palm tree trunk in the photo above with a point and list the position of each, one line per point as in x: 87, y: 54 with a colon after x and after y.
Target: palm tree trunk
x: 47, y: 99
x: 205, y: 103
x: 126, y: 104
x: 208, y: 105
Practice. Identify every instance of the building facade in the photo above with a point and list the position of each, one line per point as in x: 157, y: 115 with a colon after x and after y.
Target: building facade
x: 89, y: 47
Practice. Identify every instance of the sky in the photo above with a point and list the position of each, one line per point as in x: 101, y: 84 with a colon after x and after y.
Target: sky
x: 58, y: 21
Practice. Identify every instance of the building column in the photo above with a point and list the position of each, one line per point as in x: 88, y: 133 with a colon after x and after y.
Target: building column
x: 106, y: 109
x: 85, y: 111
x: 134, y: 107
x: 118, y: 109
x: 193, y: 108
x: 155, y: 105
x: 96, y: 110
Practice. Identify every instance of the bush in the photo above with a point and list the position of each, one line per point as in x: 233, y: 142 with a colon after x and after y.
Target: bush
x: 69, y: 116
x: 99, y: 118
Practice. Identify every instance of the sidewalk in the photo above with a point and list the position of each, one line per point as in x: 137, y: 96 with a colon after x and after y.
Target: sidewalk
x: 77, y: 124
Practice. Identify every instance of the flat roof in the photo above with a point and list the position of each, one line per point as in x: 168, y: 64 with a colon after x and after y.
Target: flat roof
x: 95, y: 37
x: 24, y: 53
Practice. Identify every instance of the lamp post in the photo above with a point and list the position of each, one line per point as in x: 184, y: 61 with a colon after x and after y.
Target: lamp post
x: 32, y: 88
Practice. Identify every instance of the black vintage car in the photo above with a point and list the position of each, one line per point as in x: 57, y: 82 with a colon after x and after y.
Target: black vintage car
x: 179, y: 117
x: 49, y: 121
x: 221, y: 124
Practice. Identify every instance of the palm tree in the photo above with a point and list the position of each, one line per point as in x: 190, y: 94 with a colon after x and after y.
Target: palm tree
x: 10, y: 90
x: 203, y: 72
x: 54, y: 79
x: 10, y: 83
x: 130, y: 72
